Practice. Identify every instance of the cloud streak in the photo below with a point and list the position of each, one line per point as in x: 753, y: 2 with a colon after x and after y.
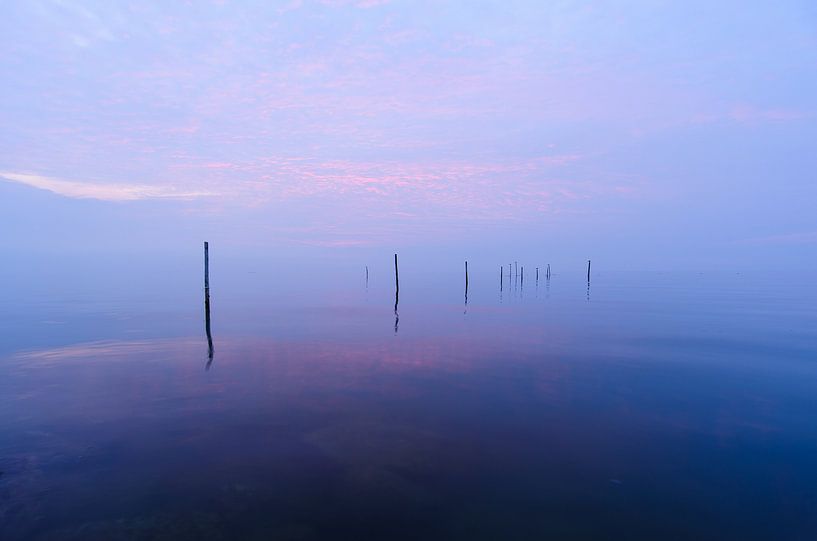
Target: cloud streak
x: 103, y: 192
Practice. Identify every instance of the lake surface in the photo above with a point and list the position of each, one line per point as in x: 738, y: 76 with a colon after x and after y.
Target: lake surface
x: 648, y: 406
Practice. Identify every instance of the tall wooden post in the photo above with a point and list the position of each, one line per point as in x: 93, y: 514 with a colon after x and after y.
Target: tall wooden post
x: 396, y: 295
x: 396, y: 275
x: 466, y: 285
x: 206, y: 265
x: 588, y: 271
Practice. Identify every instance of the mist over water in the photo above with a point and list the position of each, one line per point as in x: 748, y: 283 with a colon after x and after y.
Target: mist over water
x: 645, y: 406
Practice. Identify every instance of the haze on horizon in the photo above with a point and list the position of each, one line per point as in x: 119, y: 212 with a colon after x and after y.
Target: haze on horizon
x: 645, y: 133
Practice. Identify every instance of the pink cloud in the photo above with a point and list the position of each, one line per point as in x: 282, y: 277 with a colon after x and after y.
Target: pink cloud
x: 363, y: 4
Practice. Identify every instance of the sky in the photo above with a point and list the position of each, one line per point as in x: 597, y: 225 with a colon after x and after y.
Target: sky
x: 642, y: 134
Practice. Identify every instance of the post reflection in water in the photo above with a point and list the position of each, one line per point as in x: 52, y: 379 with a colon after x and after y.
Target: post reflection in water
x: 396, y: 315
x: 207, y: 328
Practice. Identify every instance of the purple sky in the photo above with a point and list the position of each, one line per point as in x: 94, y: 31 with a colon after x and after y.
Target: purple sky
x: 644, y: 133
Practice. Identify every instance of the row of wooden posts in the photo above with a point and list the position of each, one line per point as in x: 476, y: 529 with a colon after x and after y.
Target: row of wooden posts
x: 210, y: 349
x: 520, y: 272
x: 397, y: 273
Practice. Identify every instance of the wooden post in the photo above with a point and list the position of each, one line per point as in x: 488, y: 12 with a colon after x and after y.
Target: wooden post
x: 396, y: 295
x: 500, y: 277
x: 367, y: 274
x: 206, y: 265
x: 396, y: 275
x: 466, y: 285
x: 537, y: 274
x: 548, y: 272
x: 588, y: 271
x: 522, y: 275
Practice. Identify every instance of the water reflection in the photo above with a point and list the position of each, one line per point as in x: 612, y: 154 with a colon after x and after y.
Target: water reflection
x: 339, y: 438
x: 396, y: 314
x: 207, y: 328
x: 532, y: 421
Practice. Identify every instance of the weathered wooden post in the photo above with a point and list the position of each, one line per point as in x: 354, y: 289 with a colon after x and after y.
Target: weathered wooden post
x: 396, y: 295
x: 396, y: 275
x: 588, y: 271
x: 466, y: 284
x: 206, y: 265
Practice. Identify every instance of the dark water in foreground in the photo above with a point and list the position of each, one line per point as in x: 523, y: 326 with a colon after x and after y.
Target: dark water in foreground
x: 650, y: 407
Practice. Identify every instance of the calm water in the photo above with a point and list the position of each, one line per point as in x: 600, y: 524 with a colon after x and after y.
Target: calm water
x: 652, y: 406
